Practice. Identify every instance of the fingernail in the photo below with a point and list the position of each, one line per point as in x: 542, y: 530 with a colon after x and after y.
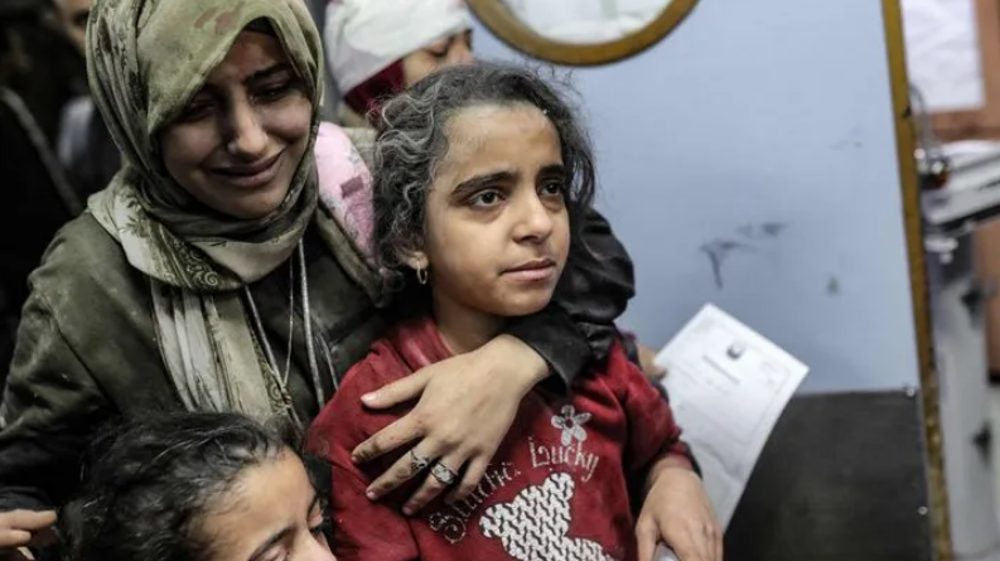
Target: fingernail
x: 408, y: 510
x: 369, y: 397
x: 372, y: 495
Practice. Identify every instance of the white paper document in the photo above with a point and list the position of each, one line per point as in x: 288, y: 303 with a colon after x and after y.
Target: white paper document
x: 727, y: 386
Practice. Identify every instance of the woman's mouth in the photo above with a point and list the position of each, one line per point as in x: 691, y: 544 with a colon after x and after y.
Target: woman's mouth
x: 249, y: 176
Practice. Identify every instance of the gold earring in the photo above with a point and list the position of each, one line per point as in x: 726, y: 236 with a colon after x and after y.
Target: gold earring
x: 422, y: 275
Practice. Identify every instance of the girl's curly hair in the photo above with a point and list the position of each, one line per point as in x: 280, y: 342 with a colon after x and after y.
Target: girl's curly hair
x: 412, y: 139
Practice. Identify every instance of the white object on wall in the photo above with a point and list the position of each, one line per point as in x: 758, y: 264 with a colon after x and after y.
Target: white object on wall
x: 942, y: 53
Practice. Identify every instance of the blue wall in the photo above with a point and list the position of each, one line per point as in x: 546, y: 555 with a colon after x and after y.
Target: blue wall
x: 774, y: 113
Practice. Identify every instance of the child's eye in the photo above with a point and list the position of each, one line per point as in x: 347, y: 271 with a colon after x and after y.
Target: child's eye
x: 486, y: 199
x: 324, y: 526
x: 555, y: 188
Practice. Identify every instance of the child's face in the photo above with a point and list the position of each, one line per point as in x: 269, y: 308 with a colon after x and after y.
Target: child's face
x: 497, y: 231
x: 271, y: 513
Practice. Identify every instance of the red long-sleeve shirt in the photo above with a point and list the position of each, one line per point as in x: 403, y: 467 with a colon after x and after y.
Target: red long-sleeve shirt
x: 558, y: 487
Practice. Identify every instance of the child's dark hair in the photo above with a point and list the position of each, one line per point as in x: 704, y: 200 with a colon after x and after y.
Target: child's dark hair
x: 412, y: 140
x: 150, y: 482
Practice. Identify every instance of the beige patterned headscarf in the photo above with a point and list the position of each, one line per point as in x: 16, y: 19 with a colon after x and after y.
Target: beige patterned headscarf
x: 146, y: 59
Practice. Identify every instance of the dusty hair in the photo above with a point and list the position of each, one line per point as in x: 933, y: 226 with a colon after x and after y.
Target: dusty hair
x: 412, y: 140
x: 149, y: 484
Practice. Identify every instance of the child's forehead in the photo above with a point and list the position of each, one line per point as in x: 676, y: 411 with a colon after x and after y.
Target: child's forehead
x: 474, y: 128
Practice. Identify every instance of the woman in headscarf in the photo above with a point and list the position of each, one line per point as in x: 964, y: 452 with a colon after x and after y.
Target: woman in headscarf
x: 376, y: 48
x: 222, y: 271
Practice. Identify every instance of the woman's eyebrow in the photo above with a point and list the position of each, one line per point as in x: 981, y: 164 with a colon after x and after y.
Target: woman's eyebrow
x: 276, y: 68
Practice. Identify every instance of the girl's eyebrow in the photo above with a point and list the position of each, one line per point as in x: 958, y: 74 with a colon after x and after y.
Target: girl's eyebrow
x: 478, y: 182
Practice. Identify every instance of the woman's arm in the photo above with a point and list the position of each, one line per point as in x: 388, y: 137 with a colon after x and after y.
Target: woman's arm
x: 50, y: 408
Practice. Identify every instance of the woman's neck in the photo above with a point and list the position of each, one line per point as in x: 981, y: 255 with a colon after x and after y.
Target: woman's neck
x: 464, y: 329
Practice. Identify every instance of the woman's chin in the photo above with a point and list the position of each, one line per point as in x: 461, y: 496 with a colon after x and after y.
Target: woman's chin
x: 252, y: 206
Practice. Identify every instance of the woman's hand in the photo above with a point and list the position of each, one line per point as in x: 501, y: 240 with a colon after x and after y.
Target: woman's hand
x: 468, y: 404
x: 677, y: 512
x: 21, y: 528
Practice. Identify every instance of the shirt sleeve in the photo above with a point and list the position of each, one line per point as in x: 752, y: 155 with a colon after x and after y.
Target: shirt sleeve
x: 362, y: 529
x: 653, y: 433
x: 50, y: 408
x: 577, y: 327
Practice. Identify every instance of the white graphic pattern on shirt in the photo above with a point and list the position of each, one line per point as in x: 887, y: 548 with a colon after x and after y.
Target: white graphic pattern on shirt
x: 534, y: 526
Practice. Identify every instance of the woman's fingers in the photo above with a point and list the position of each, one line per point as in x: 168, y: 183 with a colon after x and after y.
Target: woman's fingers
x: 14, y: 538
x: 441, y: 476
x: 474, y: 473
x: 18, y: 527
x: 388, y: 439
x: 400, y: 391
x: 413, y: 463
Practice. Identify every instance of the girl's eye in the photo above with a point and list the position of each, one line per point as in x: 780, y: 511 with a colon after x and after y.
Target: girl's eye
x: 322, y: 527
x: 556, y: 188
x: 486, y: 198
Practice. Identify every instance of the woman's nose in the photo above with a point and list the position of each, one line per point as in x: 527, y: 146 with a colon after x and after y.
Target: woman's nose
x: 247, y: 138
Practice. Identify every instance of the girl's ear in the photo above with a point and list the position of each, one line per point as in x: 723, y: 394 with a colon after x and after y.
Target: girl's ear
x: 414, y: 259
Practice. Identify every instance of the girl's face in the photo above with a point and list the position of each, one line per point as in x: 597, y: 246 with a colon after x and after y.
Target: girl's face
x: 497, y: 234
x: 236, y: 146
x: 449, y: 51
x: 271, y: 513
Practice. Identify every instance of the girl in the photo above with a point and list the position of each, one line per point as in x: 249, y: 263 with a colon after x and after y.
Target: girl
x: 197, y: 487
x: 481, y: 176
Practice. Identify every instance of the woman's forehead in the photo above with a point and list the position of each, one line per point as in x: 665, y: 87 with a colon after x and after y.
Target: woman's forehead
x: 251, y: 55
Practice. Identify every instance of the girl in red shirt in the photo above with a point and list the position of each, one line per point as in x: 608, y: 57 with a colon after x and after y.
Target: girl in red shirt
x: 481, y: 173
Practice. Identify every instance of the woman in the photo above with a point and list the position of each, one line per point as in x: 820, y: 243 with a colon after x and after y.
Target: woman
x: 208, y: 277
x: 197, y: 487
x: 378, y: 47
x: 481, y: 176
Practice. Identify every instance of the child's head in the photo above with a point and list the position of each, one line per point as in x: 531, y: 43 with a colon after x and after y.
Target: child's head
x: 196, y: 487
x: 480, y: 171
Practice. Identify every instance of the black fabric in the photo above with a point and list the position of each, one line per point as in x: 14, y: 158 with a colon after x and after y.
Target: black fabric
x: 841, y: 477
x: 578, y: 325
x: 32, y: 210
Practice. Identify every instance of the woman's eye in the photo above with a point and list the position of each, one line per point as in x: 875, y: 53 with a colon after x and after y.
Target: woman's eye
x: 196, y: 111
x: 274, y: 92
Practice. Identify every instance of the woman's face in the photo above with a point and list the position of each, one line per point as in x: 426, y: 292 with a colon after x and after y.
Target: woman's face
x: 497, y: 230
x: 271, y: 513
x: 237, y: 144
x: 449, y: 51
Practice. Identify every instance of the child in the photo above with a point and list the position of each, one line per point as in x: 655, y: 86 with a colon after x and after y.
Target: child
x: 481, y: 173
x: 197, y: 487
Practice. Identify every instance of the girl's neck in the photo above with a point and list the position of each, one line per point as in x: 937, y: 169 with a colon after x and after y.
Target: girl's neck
x: 464, y: 329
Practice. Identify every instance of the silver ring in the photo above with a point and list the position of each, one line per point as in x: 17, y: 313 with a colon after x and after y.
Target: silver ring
x: 444, y: 474
x: 418, y: 463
